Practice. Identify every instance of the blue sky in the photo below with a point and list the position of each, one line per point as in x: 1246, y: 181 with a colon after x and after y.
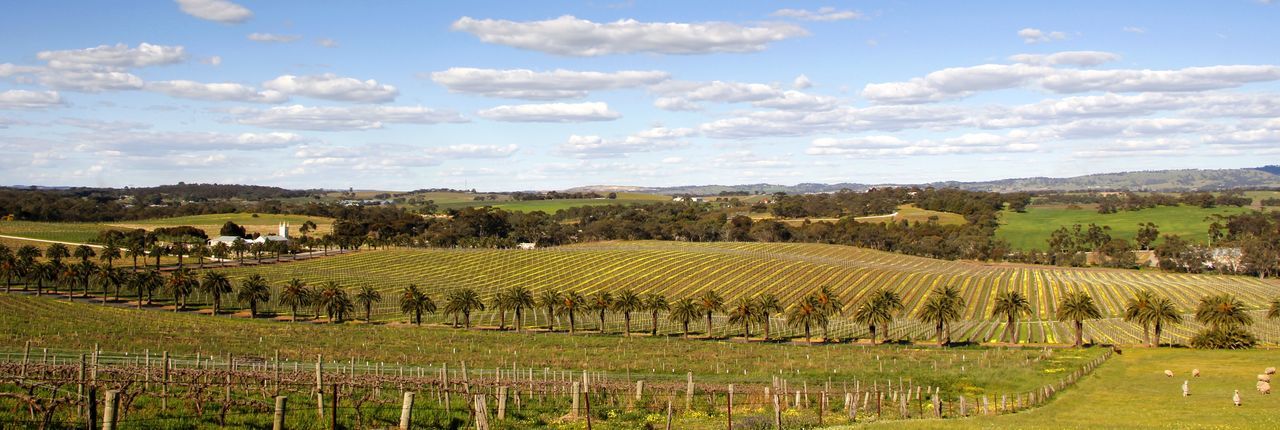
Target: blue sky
x: 550, y: 95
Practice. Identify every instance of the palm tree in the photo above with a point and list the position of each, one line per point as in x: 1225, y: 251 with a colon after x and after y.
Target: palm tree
x: 239, y: 247
x: 1138, y: 310
x: 878, y: 311
x: 626, y: 303
x: 254, y: 289
x: 134, y: 249
x: 84, y: 272
x: 221, y: 252
x: 744, y: 311
x: 767, y: 305
x: 1077, y: 306
x: 43, y: 272
x: 600, y: 302
x: 550, y: 298
x: 109, y: 253
x: 25, y: 264
x: 56, y: 252
x: 654, y: 303
x: 710, y: 302
x: 366, y: 298
x: 945, y: 305
x: 215, y: 284
x: 1222, y: 311
x: 684, y: 311
x: 1274, y: 311
x: 157, y: 250
x: 84, y: 253
x: 1011, y: 304
x: 830, y: 304
x: 113, y: 277
x: 1162, y: 312
x: 573, y: 301
x: 414, y: 301
x: 335, y: 301
x: 807, y: 313
x: 294, y: 294
x: 520, y: 298
x: 146, y: 281
x: 464, y: 302
x: 199, y: 251
x: 502, y: 302
x: 182, y: 282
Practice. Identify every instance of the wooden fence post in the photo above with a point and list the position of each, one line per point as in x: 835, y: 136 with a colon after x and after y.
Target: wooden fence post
x: 777, y: 413
x: 688, y: 392
x: 668, y: 415
x: 639, y: 389
x: 333, y: 409
x: 91, y: 417
x: 110, y: 409
x: 573, y: 410
x: 502, y: 403
x: 277, y: 421
x: 406, y: 411
x: 729, y: 407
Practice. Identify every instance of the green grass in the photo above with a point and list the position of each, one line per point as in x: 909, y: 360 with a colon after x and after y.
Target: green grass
x: 85, y: 232
x: 1031, y: 230
x: 66, y: 232
x: 551, y: 206
x: 1131, y: 392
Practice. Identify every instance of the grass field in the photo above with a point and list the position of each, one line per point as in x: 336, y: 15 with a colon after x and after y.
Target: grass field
x: 1031, y: 229
x: 1131, y: 392
x: 85, y: 232
x: 551, y: 206
x: 789, y: 270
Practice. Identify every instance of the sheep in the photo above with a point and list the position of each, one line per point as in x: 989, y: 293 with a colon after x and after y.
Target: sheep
x: 1168, y: 373
x: 1270, y: 371
x: 1195, y: 373
x: 1235, y: 398
x: 1186, y: 391
x: 1264, y: 377
x: 1264, y: 387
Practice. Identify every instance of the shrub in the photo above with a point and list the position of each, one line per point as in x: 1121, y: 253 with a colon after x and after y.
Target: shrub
x: 1224, y: 338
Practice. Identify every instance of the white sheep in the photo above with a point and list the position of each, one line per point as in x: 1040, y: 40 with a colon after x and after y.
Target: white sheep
x: 1235, y: 398
x: 1168, y: 373
x: 1264, y: 377
x: 1195, y: 373
x: 1264, y: 387
x: 1270, y: 371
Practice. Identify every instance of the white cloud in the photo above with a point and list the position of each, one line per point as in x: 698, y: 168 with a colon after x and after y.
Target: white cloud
x: 327, y: 42
x: 365, y: 158
x: 551, y: 112
x: 332, y: 87
x: 870, y: 146
x: 273, y: 38
x: 215, y: 10
x: 961, y: 82
x: 549, y: 85
x: 801, y: 82
x: 1136, y: 30
x: 97, y: 125
x: 1134, y: 147
x: 89, y: 81
x: 332, y: 118
x: 212, y: 61
x: 475, y: 151
x: 1035, y: 35
x: 654, y: 139
x: 686, y: 95
x: 146, y: 142
x: 216, y: 91
x: 23, y: 99
x: 1072, y: 58
x: 118, y: 56
x: 571, y: 36
x: 822, y: 14
x: 795, y: 100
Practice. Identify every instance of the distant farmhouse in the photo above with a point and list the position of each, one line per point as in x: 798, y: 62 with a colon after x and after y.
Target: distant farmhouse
x: 282, y: 236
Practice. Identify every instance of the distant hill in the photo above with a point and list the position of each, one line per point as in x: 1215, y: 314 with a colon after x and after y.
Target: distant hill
x: 1152, y: 180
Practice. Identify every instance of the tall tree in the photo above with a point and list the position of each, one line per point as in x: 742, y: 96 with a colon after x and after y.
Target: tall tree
x: 805, y: 314
x: 56, y: 252
x: 572, y: 303
x: 767, y: 305
x: 744, y: 311
x: 627, y: 302
x: 1010, y: 305
x: 1222, y: 310
x: 684, y: 311
x: 710, y: 302
x: 1274, y: 311
x: 109, y: 253
x: 181, y: 284
x: 115, y: 278
x: 215, y: 285
x: 654, y: 303
x: 254, y: 290
x: 943, y: 306
x: 415, y: 303
x: 521, y: 298
x: 295, y: 293
x: 7, y: 266
x: 366, y: 298
x: 1147, y: 234
x: 335, y: 302
x: 1076, y: 307
x: 502, y: 303
x: 464, y: 302
x: 135, y: 249
x: 1162, y: 312
x: 1138, y: 311
x: 830, y: 304
x: 878, y: 311
x: 550, y: 299
x: 600, y: 302
x: 147, y: 281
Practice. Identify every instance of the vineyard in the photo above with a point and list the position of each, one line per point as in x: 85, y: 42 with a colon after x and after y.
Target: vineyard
x: 790, y: 271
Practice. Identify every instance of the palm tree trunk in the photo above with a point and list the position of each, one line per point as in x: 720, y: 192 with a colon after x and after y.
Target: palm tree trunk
x: 294, y: 309
x: 708, y: 325
x: 519, y: 317
x: 1079, y: 334
x: 746, y: 330
x: 572, y: 322
x: 686, y: 329
x: 873, y: 333
x: 502, y: 319
x: 766, y: 327
x: 807, y: 339
x: 1011, y: 330
x: 1157, y: 330
x: 253, y: 309
x: 466, y: 319
x: 654, y: 330
x: 626, y: 324
x: 551, y: 319
x: 139, y: 297
x: 1146, y: 333
x: 368, y: 313
x: 601, y: 322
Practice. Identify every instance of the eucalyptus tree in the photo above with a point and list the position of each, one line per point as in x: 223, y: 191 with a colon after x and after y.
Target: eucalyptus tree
x: 215, y: 285
x: 253, y: 290
x: 550, y: 299
x: 627, y: 302
x: 294, y: 294
x: 415, y: 303
x: 1011, y: 305
x: 600, y: 302
x: 366, y: 298
x: 654, y: 303
x: 767, y: 305
x: 710, y: 302
x: 805, y: 314
x: 1076, y: 307
x: 571, y: 303
x: 684, y: 311
x: 744, y: 311
x: 878, y: 311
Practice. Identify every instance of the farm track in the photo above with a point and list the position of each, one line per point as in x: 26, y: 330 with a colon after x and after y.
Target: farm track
x: 790, y: 271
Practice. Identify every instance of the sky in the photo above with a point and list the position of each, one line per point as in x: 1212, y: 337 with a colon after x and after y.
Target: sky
x: 520, y: 95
